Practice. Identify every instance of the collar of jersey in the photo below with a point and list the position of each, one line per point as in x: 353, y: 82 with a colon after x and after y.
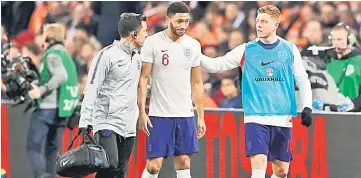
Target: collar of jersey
x: 166, y: 37
x: 269, y: 46
x: 125, y: 47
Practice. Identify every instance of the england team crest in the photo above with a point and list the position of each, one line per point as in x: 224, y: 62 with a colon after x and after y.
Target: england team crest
x: 188, y: 53
x: 269, y: 72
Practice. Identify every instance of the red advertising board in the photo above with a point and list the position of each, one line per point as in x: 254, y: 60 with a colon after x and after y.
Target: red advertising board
x: 330, y: 148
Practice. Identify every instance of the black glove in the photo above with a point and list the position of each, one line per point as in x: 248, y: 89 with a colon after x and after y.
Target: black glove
x: 86, y: 130
x: 306, y: 117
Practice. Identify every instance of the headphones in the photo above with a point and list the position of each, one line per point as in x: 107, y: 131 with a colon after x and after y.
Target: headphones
x: 135, y: 34
x: 351, y: 38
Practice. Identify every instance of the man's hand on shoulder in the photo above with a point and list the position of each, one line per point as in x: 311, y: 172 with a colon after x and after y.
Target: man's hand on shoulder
x: 306, y: 117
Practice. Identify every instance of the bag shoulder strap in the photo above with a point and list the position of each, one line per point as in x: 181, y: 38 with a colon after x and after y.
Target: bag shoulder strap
x: 84, y: 135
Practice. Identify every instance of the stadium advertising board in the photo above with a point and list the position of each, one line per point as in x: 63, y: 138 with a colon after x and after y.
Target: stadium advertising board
x: 330, y: 148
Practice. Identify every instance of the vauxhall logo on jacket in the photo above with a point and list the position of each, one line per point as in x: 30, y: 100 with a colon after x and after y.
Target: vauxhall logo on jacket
x: 269, y: 73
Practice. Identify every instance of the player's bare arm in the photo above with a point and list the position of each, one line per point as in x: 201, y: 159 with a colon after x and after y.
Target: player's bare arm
x: 220, y: 64
x: 142, y: 96
x: 197, y: 97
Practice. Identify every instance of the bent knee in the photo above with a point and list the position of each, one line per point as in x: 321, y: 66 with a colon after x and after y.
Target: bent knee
x: 154, y: 166
x: 182, y: 162
x: 281, y: 172
x: 259, y: 161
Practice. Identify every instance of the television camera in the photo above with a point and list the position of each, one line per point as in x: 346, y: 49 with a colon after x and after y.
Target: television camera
x: 17, y: 75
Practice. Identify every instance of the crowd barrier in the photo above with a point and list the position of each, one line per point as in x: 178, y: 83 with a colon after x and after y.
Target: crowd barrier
x: 330, y: 148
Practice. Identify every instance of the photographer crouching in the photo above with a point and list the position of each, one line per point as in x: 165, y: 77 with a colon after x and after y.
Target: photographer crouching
x: 57, y: 96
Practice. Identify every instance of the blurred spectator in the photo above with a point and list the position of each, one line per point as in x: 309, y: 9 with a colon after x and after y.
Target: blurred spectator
x: 236, y: 16
x: 252, y: 24
x: 38, y: 17
x: 15, y: 15
x: 210, y: 51
x: 86, y: 53
x: 23, y: 38
x: 109, y: 13
x: 57, y: 13
x: 212, y: 17
x: 307, y: 15
x: 78, y: 16
x: 291, y: 21
x: 208, y: 101
x: 313, y: 35
x: 202, y: 32
x: 70, y: 48
x: 236, y: 38
x: 329, y: 17
x: 347, y: 18
x: 232, y: 97
x: 33, y: 51
x: 156, y: 14
x: 83, y: 36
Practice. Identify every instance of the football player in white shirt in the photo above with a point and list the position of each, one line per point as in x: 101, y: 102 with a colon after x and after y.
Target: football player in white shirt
x: 172, y: 60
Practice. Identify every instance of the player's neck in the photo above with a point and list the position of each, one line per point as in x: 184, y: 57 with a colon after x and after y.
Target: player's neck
x: 269, y: 40
x: 171, y: 36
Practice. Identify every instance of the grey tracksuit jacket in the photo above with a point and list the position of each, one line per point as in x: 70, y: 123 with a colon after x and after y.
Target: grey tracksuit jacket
x: 110, y: 94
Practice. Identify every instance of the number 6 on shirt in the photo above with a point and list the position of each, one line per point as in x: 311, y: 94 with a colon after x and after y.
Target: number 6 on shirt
x: 165, y: 59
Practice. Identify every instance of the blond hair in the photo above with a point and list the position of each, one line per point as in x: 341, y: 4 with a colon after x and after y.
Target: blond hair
x: 271, y: 10
x: 55, y: 31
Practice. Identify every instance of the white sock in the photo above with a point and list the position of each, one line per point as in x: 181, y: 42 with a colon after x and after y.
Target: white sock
x: 146, y: 174
x: 274, y: 176
x: 258, y: 173
x: 185, y: 173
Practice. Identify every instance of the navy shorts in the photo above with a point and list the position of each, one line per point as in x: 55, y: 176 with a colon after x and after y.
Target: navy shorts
x: 272, y: 141
x: 172, y: 137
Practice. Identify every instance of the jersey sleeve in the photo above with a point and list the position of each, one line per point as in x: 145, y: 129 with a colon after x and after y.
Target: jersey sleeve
x: 99, y: 69
x: 198, y: 55
x: 301, y: 79
x: 146, y: 53
x: 227, y: 62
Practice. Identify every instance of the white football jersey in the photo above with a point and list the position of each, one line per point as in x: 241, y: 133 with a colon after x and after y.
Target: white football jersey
x: 171, y: 94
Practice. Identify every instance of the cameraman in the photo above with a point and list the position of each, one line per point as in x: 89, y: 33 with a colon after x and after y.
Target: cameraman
x: 345, y: 65
x: 110, y: 94
x: 57, y: 96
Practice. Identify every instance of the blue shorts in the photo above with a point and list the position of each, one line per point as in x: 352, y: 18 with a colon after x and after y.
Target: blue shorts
x: 172, y: 137
x: 272, y: 141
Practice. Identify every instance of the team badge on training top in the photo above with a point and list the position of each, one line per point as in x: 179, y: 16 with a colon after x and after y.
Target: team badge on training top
x: 187, y: 52
x: 269, y: 72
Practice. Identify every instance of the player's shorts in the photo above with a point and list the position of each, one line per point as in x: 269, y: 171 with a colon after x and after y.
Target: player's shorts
x: 272, y: 141
x: 172, y: 137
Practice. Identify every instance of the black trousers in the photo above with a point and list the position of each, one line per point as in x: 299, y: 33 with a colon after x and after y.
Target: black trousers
x: 118, y: 149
